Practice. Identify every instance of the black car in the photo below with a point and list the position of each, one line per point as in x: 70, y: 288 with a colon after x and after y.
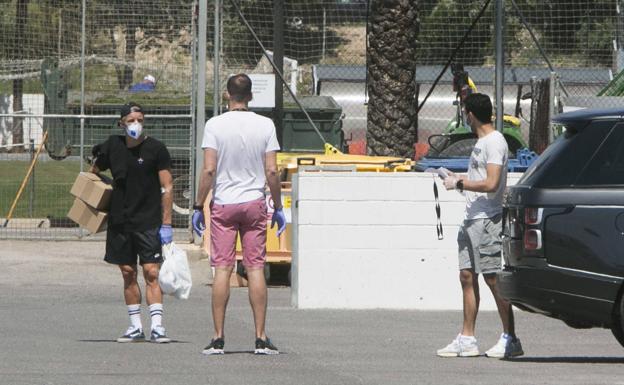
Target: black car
x: 563, y: 234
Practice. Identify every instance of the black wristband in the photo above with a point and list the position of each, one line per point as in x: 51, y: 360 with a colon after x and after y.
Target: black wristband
x: 460, y: 185
x: 198, y: 207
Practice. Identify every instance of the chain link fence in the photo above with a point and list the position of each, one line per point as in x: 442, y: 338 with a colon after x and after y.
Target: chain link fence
x: 48, y: 83
x: 66, y: 73
x: 324, y: 63
x: 579, y: 40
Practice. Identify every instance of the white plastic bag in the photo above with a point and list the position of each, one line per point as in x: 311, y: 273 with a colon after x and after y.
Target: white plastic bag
x: 175, y: 274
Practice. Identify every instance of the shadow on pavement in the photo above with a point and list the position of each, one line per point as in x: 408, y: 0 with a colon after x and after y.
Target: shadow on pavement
x: 251, y: 352
x: 569, y: 360
x: 137, y: 342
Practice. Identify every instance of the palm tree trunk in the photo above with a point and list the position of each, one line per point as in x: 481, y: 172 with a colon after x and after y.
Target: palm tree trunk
x: 391, y: 57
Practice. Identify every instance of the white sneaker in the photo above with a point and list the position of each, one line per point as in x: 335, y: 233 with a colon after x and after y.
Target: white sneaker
x: 461, y: 346
x: 505, y: 348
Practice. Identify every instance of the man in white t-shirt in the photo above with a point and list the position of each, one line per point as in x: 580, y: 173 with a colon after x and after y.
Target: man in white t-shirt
x: 479, y: 238
x: 239, y: 160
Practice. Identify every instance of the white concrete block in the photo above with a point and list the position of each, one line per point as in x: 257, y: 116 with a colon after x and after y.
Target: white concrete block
x: 372, y: 186
x: 366, y: 186
x: 374, y: 237
x: 378, y: 212
x: 364, y: 279
x: 368, y: 240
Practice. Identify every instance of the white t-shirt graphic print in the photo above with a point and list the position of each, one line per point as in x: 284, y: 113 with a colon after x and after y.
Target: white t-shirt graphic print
x: 491, y: 149
x: 241, y: 139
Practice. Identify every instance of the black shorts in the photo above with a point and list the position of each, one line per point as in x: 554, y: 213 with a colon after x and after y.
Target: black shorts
x: 123, y: 247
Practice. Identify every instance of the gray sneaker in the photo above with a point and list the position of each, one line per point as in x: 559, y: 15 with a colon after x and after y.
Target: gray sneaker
x: 132, y: 335
x: 461, y: 346
x: 506, y: 347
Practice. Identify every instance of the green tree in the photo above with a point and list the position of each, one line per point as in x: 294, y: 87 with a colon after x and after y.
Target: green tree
x: 443, y: 25
x: 163, y: 19
x: 571, y: 28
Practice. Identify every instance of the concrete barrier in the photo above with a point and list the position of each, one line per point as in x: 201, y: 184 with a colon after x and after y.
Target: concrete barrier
x: 368, y: 240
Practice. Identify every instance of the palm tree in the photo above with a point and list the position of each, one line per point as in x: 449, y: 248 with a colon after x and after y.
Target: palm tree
x: 391, y: 57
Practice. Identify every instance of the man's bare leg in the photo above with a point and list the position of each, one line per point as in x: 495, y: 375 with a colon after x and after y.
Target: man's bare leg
x: 470, y: 289
x: 132, y: 292
x: 220, y: 298
x: 504, y: 308
x: 153, y: 293
x: 258, y: 299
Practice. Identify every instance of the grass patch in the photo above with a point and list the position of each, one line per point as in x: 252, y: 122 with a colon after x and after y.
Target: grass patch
x: 53, y: 180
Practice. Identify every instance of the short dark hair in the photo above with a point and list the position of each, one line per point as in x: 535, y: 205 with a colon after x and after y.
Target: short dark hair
x: 239, y: 87
x: 127, y: 108
x: 480, y: 105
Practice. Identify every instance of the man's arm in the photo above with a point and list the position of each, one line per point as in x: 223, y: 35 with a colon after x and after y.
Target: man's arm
x: 166, y: 183
x: 272, y: 176
x: 207, y: 175
x: 487, y: 185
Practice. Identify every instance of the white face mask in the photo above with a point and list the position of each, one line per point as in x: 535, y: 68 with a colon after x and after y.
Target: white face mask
x: 134, y: 130
x: 469, y: 123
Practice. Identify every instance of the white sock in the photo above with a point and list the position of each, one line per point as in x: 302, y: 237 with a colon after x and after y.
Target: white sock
x: 156, y: 312
x: 468, y: 338
x: 134, y: 312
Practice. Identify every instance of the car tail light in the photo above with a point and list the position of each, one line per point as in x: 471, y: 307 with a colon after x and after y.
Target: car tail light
x: 533, y: 215
x: 532, y: 239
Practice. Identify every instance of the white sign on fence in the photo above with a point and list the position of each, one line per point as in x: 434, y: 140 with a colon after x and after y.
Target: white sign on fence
x: 263, y: 89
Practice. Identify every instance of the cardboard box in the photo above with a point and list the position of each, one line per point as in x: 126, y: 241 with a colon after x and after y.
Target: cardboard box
x: 88, y: 217
x: 92, y: 190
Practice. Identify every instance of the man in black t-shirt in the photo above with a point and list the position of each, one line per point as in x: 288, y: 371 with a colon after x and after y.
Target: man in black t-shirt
x: 139, y: 217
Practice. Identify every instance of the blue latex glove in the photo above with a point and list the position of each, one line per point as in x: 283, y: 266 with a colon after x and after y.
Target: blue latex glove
x: 280, y: 218
x: 166, y: 234
x: 198, y: 222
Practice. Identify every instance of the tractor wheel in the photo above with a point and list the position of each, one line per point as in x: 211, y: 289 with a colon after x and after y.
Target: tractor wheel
x: 460, y: 148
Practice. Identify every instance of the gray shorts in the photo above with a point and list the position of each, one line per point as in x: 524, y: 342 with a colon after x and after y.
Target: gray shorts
x: 480, y: 244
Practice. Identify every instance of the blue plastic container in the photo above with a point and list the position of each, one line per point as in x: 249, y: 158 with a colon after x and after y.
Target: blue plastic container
x: 524, y: 158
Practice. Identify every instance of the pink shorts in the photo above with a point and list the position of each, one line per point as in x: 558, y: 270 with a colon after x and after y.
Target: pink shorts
x: 226, y: 221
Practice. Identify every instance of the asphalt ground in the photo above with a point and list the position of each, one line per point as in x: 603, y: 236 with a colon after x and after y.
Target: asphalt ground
x: 61, y: 308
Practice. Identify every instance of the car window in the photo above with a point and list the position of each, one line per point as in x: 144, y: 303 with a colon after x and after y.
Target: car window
x: 563, y: 160
x: 531, y: 175
x: 607, y: 165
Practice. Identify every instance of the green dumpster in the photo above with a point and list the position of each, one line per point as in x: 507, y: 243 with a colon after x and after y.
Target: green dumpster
x: 299, y: 136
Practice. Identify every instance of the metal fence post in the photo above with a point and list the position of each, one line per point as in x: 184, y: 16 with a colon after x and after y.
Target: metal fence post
x: 278, y: 59
x: 552, y: 100
x: 82, y: 90
x: 216, y: 92
x: 201, y: 91
x: 82, y: 80
x: 500, y: 63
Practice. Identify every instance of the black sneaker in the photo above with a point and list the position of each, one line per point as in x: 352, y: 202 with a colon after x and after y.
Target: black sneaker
x: 265, y: 347
x: 215, y: 347
x: 132, y: 335
x: 159, y: 335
